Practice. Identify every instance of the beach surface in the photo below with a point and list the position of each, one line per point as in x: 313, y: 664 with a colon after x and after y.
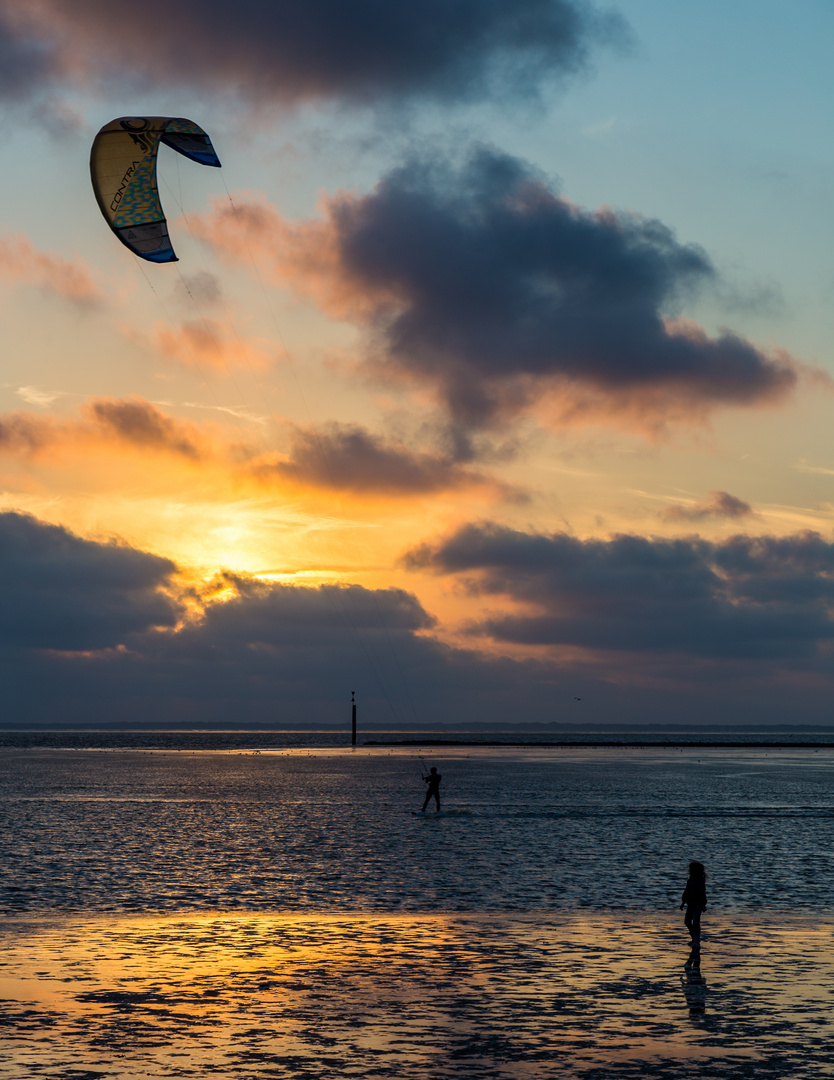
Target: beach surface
x: 249, y: 914
x: 593, y: 995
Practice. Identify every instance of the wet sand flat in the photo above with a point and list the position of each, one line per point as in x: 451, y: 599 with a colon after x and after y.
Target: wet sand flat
x: 593, y: 995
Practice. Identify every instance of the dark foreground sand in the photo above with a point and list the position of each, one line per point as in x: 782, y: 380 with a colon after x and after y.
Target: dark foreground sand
x: 244, y: 996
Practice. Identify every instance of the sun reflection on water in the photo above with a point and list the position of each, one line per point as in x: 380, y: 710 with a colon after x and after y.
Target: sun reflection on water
x: 437, y: 996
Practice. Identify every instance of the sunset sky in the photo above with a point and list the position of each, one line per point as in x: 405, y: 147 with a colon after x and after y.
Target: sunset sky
x: 495, y: 372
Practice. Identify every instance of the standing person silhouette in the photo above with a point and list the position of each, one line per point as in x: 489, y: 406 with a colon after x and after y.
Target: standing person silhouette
x: 433, y: 790
x: 694, y: 899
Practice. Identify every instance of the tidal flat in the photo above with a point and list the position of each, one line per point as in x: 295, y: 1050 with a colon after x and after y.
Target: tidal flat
x: 251, y: 914
x: 590, y: 995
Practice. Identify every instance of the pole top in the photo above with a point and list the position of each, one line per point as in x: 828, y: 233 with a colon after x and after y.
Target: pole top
x: 352, y: 697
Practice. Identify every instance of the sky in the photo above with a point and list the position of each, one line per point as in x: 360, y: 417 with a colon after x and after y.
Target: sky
x: 493, y: 382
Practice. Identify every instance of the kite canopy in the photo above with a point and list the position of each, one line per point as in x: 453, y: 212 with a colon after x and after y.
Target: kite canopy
x: 123, y: 171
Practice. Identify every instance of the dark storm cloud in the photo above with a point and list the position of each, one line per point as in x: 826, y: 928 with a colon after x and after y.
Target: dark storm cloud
x: 349, y: 458
x: 267, y: 652
x: 269, y: 614
x: 490, y: 286
x: 25, y: 62
x: 58, y: 591
x: 795, y: 569
x: 260, y: 652
x: 286, y: 656
x: 748, y: 597
x: 293, y: 50
x: 67, y: 605
x: 139, y: 423
x: 720, y: 504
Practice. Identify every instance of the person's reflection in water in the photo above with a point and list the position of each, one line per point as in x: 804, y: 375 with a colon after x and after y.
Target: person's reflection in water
x: 694, y: 984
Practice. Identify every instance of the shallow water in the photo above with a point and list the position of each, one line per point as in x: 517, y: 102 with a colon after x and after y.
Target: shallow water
x: 590, y: 996
x: 178, y: 914
x: 323, y: 831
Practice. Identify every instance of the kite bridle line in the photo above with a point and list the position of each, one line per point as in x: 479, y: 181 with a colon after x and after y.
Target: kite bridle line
x: 199, y: 367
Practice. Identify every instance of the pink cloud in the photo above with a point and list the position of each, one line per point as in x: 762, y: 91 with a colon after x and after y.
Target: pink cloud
x: 130, y: 422
x: 208, y: 342
x: 718, y: 504
x: 21, y: 261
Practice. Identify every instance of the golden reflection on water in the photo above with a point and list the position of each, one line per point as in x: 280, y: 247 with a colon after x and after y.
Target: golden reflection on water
x: 597, y: 996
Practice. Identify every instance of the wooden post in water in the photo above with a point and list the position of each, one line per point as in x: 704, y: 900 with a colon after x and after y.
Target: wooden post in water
x: 353, y: 717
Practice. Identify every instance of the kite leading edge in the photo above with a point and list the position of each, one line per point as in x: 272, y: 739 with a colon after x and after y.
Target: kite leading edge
x: 123, y: 171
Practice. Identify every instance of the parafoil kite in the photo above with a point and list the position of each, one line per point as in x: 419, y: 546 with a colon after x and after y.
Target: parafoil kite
x: 123, y: 170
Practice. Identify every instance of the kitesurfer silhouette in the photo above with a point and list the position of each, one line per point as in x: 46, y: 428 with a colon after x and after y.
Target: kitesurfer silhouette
x: 433, y: 790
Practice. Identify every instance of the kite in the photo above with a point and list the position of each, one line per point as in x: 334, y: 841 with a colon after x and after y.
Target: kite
x: 123, y: 171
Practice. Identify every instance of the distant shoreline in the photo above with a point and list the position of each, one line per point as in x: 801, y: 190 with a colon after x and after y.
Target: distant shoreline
x: 561, y: 744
